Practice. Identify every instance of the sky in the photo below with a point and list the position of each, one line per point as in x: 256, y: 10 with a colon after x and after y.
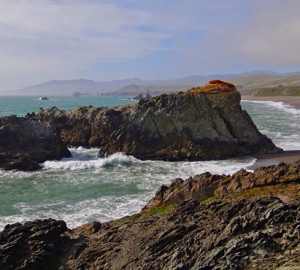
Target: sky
x: 42, y: 40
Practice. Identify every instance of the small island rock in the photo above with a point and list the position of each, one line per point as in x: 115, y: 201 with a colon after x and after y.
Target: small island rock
x: 144, y: 95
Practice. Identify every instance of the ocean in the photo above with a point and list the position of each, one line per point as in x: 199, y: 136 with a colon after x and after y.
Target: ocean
x: 86, y: 188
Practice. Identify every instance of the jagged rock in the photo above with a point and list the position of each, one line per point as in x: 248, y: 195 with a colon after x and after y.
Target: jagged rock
x: 202, y: 123
x: 24, y: 143
x: 256, y: 228
x: 205, y: 186
x: 34, y: 245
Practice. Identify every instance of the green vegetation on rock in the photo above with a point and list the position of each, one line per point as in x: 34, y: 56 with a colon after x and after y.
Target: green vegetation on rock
x: 162, y: 210
x: 211, y: 199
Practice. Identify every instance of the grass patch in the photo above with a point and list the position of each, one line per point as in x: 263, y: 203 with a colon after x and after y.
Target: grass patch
x: 90, y: 266
x: 211, y: 199
x: 162, y: 210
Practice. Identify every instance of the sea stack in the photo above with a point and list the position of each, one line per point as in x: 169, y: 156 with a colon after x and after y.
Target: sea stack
x: 202, y: 123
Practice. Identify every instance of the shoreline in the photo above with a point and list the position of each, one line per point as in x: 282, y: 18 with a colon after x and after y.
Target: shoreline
x: 264, y: 160
x: 289, y: 100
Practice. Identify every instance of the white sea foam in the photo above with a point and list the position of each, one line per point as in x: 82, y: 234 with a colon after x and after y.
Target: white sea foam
x: 277, y: 105
x: 80, y: 196
x: 279, y: 121
x: 84, y: 160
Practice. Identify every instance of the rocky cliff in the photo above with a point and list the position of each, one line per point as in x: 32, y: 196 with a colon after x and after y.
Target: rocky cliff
x: 247, y: 221
x: 24, y: 143
x: 202, y: 123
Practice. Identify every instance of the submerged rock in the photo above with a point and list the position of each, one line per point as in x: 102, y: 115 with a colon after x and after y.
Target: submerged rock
x: 24, y: 143
x: 253, y: 225
x: 202, y: 123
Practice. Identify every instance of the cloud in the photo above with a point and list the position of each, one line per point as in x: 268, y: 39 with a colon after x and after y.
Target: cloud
x: 36, y: 35
x: 271, y: 37
x: 58, y: 39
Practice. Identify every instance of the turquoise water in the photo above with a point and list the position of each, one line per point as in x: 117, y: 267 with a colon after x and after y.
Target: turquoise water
x: 85, y: 188
x: 21, y: 105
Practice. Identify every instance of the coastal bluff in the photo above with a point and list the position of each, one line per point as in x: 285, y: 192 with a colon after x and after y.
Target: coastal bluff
x: 202, y: 123
x: 244, y: 221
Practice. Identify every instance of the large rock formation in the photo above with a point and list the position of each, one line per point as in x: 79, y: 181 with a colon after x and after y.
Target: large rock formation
x: 202, y: 123
x: 24, y: 143
x: 251, y: 222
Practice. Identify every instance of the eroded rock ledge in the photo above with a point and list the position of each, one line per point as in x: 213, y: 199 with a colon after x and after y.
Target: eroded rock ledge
x: 199, y: 124
x: 252, y: 221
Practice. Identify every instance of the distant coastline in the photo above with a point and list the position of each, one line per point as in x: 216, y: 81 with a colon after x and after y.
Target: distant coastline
x: 290, y: 100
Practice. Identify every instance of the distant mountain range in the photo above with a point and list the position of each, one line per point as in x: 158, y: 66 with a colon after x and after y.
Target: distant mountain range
x: 245, y: 82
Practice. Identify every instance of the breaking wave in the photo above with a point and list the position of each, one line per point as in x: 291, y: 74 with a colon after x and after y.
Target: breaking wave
x: 87, y: 159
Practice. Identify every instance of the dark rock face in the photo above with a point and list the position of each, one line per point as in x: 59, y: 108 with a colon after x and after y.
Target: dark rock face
x: 252, y: 225
x: 33, y: 246
x: 24, y: 143
x: 202, y: 123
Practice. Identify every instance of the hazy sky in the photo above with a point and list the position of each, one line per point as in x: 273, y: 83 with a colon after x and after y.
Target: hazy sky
x: 43, y: 40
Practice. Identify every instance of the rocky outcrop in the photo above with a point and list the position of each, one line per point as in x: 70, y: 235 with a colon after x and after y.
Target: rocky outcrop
x: 253, y: 224
x: 24, y: 143
x: 202, y: 123
x: 208, y: 186
x: 34, y: 245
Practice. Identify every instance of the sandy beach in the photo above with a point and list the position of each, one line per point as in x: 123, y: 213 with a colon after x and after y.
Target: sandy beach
x: 275, y: 159
x: 290, y: 100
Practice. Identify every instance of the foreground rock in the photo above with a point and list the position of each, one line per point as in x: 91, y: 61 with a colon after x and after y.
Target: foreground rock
x: 34, y: 245
x: 205, y: 186
x: 24, y: 143
x: 202, y: 123
x: 251, y: 222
